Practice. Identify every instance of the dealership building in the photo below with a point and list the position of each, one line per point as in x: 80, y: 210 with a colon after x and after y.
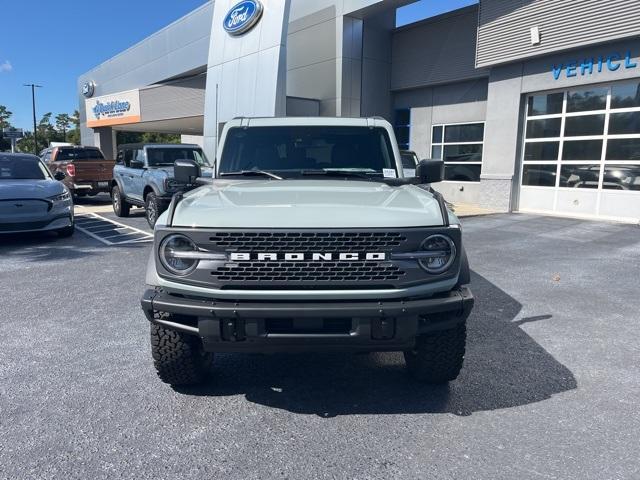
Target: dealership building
x: 534, y: 105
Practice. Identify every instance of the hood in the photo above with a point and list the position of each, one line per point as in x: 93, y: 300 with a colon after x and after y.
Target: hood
x: 307, y: 204
x: 23, y: 189
x: 207, y: 172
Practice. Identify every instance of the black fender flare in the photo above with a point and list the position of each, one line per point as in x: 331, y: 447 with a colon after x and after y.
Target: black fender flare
x: 464, y: 277
x: 151, y: 187
x: 118, y: 183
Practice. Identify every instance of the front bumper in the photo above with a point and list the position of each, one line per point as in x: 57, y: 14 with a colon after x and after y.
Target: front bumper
x: 163, y: 202
x: 91, y: 187
x: 274, y: 326
x: 51, y: 223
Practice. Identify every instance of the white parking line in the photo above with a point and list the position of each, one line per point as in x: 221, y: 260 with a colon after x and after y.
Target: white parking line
x: 92, y: 224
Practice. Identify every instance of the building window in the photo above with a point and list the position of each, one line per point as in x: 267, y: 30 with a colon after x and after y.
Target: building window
x: 402, y: 127
x: 585, y: 137
x: 460, y: 145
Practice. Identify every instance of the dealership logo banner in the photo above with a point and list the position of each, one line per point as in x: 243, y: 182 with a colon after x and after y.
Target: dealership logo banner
x: 116, y: 109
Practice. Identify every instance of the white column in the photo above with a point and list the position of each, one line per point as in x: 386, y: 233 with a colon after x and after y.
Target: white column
x: 248, y: 71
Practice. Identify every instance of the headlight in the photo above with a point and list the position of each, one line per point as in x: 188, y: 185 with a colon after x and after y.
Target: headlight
x: 442, y: 253
x: 178, y: 254
x: 63, y: 197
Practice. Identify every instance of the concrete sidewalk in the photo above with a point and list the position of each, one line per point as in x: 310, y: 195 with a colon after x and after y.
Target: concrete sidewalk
x: 469, y: 210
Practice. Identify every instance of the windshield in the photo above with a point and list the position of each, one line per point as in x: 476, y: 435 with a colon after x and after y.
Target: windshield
x: 22, y: 169
x: 66, y: 154
x: 297, y: 151
x: 166, y: 157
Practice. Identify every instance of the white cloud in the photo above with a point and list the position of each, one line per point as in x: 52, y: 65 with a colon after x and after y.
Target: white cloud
x: 6, y: 66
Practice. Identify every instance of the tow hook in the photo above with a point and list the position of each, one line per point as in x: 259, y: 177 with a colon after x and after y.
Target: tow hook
x: 233, y: 330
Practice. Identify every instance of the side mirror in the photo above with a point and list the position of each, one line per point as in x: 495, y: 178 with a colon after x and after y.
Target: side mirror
x: 186, y: 171
x: 59, y: 176
x: 430, y: 171
x: 136, y: 164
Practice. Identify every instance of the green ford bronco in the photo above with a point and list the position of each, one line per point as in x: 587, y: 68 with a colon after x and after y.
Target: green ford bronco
x: 311, y: 237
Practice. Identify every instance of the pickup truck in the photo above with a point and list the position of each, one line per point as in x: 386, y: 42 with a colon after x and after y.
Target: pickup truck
x: 310, y: 238
x: 86, y: 170
x: 143, y: 176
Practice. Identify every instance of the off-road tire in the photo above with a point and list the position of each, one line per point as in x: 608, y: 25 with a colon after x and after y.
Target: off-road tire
x: 437, y: 357
x: 66, y: 232
x: 152, y: 209
x: 178, y: 357
x: 120, y: 206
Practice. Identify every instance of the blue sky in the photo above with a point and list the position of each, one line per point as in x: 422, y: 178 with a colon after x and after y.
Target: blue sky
x: 52, y: 42
x: 429, y: 8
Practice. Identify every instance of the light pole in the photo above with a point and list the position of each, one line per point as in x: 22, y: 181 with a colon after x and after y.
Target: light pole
x: 33, y: 103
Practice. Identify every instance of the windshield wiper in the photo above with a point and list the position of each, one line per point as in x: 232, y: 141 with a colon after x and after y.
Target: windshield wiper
x: 335, y: 173
x: 251, y: 173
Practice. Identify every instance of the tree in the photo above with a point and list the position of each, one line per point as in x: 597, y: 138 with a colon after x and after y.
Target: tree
x: 63, y: 122
x: 75, y: 119
x: 5, y: 115
x: 74, y: 135
x: 25, y: 144
x: 151, y: 137
x: 46, y: 134
x: 148, y: 137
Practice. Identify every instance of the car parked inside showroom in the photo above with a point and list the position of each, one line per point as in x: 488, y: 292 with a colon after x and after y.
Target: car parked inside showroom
x: 32, y: 199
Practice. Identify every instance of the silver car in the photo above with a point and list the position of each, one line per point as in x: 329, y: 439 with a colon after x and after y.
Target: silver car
x: 31, y: 199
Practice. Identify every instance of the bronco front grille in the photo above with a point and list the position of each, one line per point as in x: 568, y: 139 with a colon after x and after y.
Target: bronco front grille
x: 302, y: 242
x: 360, y: 271
x: 306, y: 259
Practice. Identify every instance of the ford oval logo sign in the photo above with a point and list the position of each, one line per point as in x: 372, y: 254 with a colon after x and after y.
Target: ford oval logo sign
x: 243, y: 17
x: 88, y: 89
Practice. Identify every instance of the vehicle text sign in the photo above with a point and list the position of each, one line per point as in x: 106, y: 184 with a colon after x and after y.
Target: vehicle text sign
x: 116, y: 109
x: 588, y: 66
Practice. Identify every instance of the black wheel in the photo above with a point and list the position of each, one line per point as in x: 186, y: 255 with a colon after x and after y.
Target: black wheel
x: 437, y: 357
x: 120, y: 206
x: 152, y: 209
x: 67, y: 232
x: 179, y: 358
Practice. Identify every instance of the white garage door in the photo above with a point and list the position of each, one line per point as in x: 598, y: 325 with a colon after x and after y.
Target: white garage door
x: 581, y: 152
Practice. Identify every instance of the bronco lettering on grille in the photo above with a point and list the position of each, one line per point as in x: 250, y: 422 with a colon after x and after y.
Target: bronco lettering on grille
x: 300, y: 257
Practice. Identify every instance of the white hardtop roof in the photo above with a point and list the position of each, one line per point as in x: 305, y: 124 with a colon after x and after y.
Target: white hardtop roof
x: 308, y: 121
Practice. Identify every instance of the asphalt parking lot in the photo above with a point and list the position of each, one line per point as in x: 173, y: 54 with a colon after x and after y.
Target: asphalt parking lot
x: 550, y: 387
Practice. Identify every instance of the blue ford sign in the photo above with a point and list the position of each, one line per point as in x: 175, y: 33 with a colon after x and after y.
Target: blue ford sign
x: 243, y: 17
